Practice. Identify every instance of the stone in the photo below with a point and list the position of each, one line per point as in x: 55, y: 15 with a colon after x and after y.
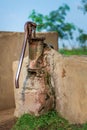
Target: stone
x: 35, y: 95
x: 69, y: 83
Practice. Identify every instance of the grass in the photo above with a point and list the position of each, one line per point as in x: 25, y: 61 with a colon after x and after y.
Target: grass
x: 73, y: 52
x: 49, y: 121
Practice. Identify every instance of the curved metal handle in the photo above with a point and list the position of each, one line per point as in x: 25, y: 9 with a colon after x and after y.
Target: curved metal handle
x: 29, y: 27
x: 20, y: 62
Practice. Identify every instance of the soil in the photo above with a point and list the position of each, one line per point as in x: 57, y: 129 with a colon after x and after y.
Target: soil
x: 7, y: 125
x: 7, y: 119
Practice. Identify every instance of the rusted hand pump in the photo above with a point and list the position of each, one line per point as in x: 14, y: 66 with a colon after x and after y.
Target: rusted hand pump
x: 29, y: 29
x: 35, y: 49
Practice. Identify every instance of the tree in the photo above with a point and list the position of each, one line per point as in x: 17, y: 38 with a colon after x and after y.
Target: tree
x: 82, y: 38
x: 54, y: 21
x: 84, y: 6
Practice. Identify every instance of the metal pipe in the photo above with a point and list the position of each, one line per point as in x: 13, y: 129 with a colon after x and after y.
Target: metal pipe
x: 20, y: 62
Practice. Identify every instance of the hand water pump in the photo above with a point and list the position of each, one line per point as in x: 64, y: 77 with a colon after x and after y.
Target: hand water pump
x: 35, y: 49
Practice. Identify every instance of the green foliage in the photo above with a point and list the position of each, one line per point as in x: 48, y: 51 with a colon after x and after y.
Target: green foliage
x: 84, y: 6
x: 73, y: 52
x: 54, y: 21
x: 82, y: 38
x: 49, y: 121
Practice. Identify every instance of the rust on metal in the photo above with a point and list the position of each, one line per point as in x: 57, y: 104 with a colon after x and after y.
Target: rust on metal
x: 35, y: 49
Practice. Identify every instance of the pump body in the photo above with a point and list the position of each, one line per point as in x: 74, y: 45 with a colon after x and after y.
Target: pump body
x: 35, y: 50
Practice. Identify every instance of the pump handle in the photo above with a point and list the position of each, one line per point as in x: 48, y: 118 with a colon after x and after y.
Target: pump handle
x: 29, y: 29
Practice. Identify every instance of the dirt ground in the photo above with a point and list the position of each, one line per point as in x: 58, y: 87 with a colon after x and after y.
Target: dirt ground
x: 7, y: 125
x: 7, y: 119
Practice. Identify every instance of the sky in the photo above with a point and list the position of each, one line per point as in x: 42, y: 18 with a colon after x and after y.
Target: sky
x: 14, y: 13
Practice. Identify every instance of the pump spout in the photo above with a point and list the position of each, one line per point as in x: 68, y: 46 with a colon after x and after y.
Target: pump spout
x: 28, y: 28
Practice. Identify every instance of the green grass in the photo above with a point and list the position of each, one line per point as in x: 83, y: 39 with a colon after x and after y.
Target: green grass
x: 49, y: 121
x: 73, y: 52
